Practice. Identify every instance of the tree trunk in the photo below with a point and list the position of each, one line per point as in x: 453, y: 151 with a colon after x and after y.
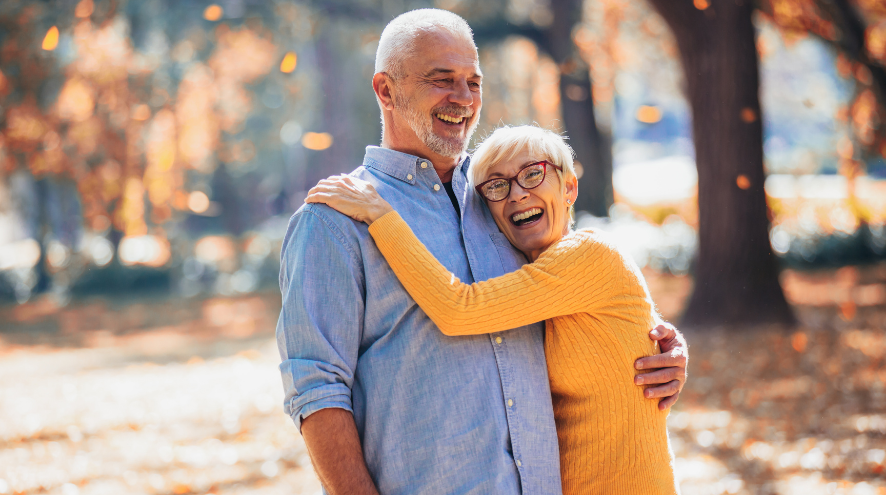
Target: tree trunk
x: 736, y: 277
x: 591, y: 148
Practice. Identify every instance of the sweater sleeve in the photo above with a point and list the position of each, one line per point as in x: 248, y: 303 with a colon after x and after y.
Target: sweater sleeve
x: 574, y: 275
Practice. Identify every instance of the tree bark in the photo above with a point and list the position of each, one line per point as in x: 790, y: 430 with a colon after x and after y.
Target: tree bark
x: 591, y: 148
x: 736, y: 276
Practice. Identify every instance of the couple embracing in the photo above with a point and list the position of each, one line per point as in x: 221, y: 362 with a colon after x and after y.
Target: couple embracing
x: 443, y: 330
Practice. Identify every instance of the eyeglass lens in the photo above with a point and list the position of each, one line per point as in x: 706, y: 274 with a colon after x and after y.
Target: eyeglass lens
x: 528, y: 178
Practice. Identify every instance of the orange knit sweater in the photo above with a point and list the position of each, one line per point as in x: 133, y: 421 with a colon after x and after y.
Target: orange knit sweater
x: 599, y: 312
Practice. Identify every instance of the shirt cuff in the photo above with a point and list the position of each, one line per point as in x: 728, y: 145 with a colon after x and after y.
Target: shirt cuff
x: 335, y: 395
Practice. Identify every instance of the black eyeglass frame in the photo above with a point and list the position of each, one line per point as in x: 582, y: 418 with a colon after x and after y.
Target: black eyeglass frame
x: 545, y: 163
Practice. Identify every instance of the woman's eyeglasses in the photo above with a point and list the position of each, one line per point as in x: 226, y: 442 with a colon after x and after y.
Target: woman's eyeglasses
x: 529, y: 177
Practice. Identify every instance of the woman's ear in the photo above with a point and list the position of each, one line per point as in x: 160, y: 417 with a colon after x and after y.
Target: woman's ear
x: 381, y: 84
x: 571, y: 190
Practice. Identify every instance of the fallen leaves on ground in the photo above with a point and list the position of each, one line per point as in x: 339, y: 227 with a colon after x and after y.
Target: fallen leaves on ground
x: 184, y: 397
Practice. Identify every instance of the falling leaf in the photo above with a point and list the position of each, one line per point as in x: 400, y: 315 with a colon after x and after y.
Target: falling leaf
x: 288, y: 63
x: 748, y: 115
x: 50, y: 41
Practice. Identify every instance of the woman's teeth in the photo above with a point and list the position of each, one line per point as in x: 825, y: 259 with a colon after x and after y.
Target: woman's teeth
x: 450, y: 119
x: 517, y: 217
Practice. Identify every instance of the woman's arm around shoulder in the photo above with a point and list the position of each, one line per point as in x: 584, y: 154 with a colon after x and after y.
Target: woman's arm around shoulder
x: 552, y: 286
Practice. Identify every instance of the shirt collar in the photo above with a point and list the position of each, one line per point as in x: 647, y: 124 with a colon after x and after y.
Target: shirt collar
x: 399, y: 165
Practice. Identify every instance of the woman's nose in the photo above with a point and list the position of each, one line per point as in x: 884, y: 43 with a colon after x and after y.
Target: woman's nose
x: 517, y: 193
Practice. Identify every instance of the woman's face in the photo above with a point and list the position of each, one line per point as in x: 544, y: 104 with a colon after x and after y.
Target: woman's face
x: 532, y: 219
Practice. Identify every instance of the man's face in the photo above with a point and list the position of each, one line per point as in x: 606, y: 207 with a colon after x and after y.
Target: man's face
x: 439, y: 95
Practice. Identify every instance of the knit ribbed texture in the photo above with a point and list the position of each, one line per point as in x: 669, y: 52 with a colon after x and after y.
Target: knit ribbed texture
x: 599, y: 312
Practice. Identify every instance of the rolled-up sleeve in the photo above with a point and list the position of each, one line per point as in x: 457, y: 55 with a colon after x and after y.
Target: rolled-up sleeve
x: 321, y: 321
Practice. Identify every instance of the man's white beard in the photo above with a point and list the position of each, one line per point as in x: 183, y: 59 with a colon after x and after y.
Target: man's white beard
x: 422, y: 125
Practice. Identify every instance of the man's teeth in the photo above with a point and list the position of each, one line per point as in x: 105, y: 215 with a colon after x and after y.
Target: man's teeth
x: 450, y: 119
x: 526, y: 214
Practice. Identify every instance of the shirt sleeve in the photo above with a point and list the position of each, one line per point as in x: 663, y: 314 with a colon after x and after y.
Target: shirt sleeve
x: 551, y: 286
x: 321, y: 321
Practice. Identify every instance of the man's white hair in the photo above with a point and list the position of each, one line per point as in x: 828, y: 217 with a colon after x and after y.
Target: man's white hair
x: 400, y: 35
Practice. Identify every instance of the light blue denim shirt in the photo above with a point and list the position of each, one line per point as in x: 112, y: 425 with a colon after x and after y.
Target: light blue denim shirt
x: 435, y: 414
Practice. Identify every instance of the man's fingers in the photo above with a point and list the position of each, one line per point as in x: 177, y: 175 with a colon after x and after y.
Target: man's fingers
x: 663, y: 331
x: 674, y: 358
x: 661, y: 376
x: 668, y: 401
x: 668, y: 389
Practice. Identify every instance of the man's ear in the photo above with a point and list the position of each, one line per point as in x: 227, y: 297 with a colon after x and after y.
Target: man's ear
x: 383, y: 87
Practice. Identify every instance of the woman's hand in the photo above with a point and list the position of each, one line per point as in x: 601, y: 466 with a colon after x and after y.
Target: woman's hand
x: 354, y: 197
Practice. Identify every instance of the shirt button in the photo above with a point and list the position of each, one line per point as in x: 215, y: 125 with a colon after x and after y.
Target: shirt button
x: 436, y: 187
x: 498, y: 340
x: 519, y: 463
x: 424, y: 164
x: 409, y: 177
x: 510, y: 403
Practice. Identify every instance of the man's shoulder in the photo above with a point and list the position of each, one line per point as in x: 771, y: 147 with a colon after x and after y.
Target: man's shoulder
x: 319, y: 225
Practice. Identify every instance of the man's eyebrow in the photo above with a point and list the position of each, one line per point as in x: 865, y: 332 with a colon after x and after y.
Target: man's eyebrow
x: 438, y: 70
x: 434, y: 72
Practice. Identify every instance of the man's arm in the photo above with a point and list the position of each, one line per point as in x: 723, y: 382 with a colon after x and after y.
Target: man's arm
x: 318, y: 336
x: 336, y: 453
x: 671, y: 363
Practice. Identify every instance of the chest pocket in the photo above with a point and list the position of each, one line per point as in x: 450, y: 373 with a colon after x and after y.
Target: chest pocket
x: 511, y: 259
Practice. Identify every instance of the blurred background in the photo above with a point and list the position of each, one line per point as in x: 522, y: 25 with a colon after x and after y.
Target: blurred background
x: 152, y: 151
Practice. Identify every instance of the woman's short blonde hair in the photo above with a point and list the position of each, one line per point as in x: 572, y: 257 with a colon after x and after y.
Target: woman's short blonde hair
x: 509, y: 141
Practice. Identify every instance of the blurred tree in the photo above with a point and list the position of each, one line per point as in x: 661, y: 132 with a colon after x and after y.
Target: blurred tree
x: 736, y: 277
x: 552, y: 32
x: 592, y: 147
x: 857, y: 31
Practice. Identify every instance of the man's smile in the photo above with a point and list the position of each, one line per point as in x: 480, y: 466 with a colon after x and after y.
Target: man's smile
x: 450, y: 119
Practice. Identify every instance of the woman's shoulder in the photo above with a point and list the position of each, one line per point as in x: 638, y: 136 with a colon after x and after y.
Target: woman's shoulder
x: 593, y: 239
x: 595, y: 243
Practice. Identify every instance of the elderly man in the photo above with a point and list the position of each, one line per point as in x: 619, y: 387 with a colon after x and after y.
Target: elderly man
x: 385, y: 402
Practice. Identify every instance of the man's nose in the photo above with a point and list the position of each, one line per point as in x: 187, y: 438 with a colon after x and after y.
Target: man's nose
x: 461, y: 94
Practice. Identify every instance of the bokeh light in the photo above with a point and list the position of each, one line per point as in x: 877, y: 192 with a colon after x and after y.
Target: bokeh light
x: 198, y: 202
x: 648, y: 114
x: 316, y: 140
x: 213, y: 12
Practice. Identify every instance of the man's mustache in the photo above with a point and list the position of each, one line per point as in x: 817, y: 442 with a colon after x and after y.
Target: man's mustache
x: 455, y: 111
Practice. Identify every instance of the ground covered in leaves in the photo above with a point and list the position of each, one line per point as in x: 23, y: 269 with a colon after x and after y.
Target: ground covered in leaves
x: 184, y: 397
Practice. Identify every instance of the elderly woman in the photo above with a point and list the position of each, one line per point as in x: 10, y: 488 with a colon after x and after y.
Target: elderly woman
x: 593, y: 297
